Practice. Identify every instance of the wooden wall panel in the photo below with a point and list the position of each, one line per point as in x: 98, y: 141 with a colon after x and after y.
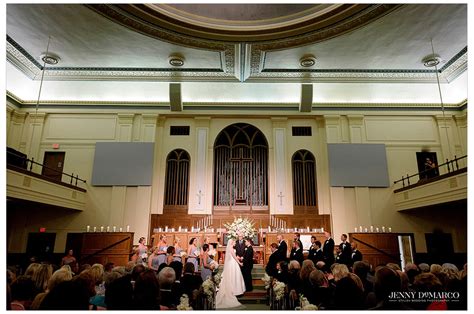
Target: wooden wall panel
x: 387, y: 242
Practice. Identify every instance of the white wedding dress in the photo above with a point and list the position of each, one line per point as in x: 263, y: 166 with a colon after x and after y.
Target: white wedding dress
x: 232, y: 282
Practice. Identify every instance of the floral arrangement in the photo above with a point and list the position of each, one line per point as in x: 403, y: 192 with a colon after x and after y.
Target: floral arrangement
x: 266, y: 280
x: 184, y: 304
x: 243, y: 225
x: 208, y: 288
x: 305, y: 305
x: 218, y: 278
x: 279, y: 289
x: 183, y: 254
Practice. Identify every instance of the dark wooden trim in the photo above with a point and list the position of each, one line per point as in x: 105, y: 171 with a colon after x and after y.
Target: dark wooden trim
x: 423, y: 182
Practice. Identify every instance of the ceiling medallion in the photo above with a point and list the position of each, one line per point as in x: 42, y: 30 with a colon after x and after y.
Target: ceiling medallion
x: 50, y: 58
x: 431, y: 60
x: 176, y: 60
x: 307, y: 61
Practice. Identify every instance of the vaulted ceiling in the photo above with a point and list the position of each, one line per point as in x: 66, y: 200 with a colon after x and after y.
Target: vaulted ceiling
x: 237, y: 53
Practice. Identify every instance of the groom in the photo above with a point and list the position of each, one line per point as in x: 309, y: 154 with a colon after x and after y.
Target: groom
x: 247, y: 265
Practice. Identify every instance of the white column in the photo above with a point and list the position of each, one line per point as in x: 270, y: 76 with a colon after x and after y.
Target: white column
x: 281, y: 198
x: 199, y: 196
x: 35, y: 132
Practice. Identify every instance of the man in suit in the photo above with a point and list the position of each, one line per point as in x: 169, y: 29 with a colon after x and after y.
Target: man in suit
x: 328, y: 249
x: 270, y: 269
x: 248, y: 265
x: 239, y: 246
x: 297, y: 252
x: 315, y: 253
x: 356, y: 254
x: 282, y: 248
x: 346, y: 250
x: 297, y: 238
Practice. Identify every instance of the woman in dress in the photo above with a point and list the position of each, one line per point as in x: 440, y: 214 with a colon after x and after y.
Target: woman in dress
x: 178, y: 249
x: 70, y: 260
x: 162, y: 247
x: 170, y: 252
x: 232, y: 282
x: 192, y: 253
x: 153, y: 261
x: 206, y: 268
x: 140, y: 251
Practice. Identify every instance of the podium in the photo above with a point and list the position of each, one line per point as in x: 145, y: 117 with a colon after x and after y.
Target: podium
x: 101, y: 247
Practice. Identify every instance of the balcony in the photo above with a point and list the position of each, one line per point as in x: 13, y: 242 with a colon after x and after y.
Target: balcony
x: 448, y: 187
x: 27, y: 185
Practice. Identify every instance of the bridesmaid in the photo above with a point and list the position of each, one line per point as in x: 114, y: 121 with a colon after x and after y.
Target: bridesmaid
x: 140, y: 250
x: 192, y: 256
x: 153, y: 261
x: 162, y: 247
x: 170, y: 252
x: 177, y: 255
x: 206, y: 270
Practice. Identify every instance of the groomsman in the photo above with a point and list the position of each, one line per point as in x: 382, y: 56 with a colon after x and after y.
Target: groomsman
x: 297, y: 252
x: 315, y: 253
x: 282, y: 248
x: 346, y: 250
x: 297, y: 238
x: 248, y: 265
x: 356, y: 254
x: 328, y: 249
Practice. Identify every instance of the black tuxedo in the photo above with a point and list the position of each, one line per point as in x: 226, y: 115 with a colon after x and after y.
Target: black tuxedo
x: 282, y: 251
x: 270, y: 269
x: 328, y: 252
x: 356, y: 256
x: 247, y: 267
x: 239, y: 248
x: 297, y: 254
x: 300, y: 243
x: 346, y: 252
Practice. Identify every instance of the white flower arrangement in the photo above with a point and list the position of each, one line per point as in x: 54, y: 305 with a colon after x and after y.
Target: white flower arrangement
x: 184, y: 304
x: 305, y: 305
x: 266, y: 280
x: 183, y: 254
x: 218, y: 278
x: 213, y: 265
x: 243, y: 225
x: 279, y: 289
x: 208, y: 288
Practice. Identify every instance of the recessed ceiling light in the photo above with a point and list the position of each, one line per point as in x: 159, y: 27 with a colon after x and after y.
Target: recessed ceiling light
x: 307, y: 61
x: 50, y: 58
x: 431, y: 60
x: 176, y: 60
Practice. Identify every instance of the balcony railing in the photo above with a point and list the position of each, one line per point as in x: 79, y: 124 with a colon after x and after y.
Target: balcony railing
x: 20, y: 162
x: 450, y: 167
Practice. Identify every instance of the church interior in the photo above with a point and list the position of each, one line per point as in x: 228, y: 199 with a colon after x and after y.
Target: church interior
x: 176, y: 119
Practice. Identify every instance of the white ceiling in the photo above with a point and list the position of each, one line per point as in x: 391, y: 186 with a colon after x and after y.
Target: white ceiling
x: 102, y: 60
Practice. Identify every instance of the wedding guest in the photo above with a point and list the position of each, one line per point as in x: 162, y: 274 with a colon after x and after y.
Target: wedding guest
x: 153, y: 261
x: 387, y: 280
x: 193, y: 253
x: 69, y: 295
x: 70, y: 260
x: 62, y: 274
x: 146, y: 291
x: 119, y: 293
x: 306, y: 269
x: 206, y: 268
x: 176, y: 288
x: 166, y: 278
x: 282, y: 271
x: 348, y: 294
x: 190, y: 282
x: 23, y: 291
x: 322, y: 292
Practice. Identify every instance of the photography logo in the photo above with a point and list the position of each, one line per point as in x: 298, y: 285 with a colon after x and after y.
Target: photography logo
x: 424, y: 296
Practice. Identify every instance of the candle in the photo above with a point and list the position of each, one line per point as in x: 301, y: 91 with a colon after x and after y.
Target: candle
x: 377, y: 229
x: 159, y: 229
x: 296, y: 229
x: 179, y: 228
x: 95, y: 229
x: 269, y: 229
x: 371, y: 228
x: 128, y: 228
x: 322, y: 229
x: 101, y: 228
x: 360, y: 228
x: 115, y: 228
x: 307, y: 228
x: 383, y: 229
x: 120, y: 229
x: 166, y: 228
x: 365, y: 229
x: 108, y: 228
x: 389, y: 229
x: 88, y: 228
x: 355, y: 229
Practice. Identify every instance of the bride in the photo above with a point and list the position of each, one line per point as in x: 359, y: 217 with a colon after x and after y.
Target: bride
x: 232, y: 282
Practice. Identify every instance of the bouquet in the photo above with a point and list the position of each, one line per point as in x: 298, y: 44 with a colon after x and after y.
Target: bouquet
x: 208, y: 288
x: 305, y: 305
x: 279, y: 289
x: 243, y: 225
x: 183, y: 254
x: 184, y: 303
x: 266, y: 280
x: 213, y: 265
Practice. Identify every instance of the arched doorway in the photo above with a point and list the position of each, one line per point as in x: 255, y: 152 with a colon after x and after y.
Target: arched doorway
x: 241, y: 169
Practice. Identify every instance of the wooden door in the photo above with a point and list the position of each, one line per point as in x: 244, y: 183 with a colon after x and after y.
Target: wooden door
x: 53, y: 164
x: 41, y: 245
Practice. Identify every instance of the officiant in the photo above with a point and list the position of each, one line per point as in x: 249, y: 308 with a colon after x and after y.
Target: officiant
x: 247, y: 265
x: 239, y: 245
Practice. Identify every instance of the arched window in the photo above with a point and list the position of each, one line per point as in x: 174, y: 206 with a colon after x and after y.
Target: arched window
x: 241, y: 168
x: 304, y: 180
x: 177, y: 179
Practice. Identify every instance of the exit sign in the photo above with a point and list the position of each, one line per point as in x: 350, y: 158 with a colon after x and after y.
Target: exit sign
x: 42, y: 229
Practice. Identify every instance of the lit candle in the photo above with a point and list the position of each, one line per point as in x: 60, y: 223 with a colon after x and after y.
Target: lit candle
x: 389, y: 229
x: 166, y: 228
x: 120, y: 229
x: 322, y: 229
x: 101, y: 228
x: 88, y: 228
x: 108, y: 228
x: 128, y: 228
x: 365, y: 229
x: 377, y: 229
x: 360, y: 228
x: 115, y: 228
x: 269, y: 229
x: 383, y: 229
x: 371, y: 228
x: 307, y: 228
x: 172, y: 229
x: 179, y: 228
x: 95, y: 229
x: 355, y: 229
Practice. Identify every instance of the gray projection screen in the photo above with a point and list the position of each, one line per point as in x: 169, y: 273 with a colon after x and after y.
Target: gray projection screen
x: 123, y: 164
x: 358, y: 165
